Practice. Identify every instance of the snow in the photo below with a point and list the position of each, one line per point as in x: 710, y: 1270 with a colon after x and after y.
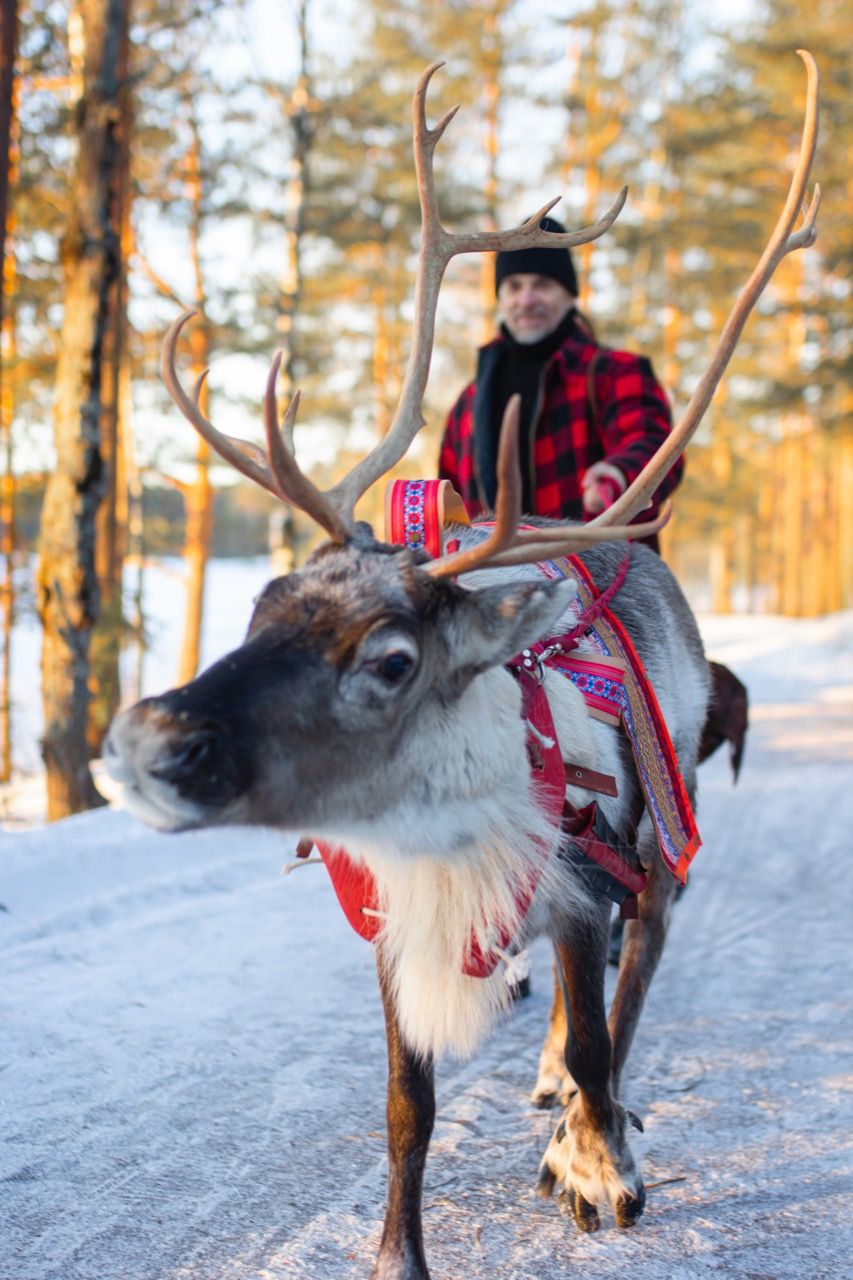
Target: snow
x: 192, y: 1067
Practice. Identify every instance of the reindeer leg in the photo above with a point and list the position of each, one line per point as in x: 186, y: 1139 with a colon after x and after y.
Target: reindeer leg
x: 410, y: 1116
x: 553, y: 1083
x: 641, y: 950
x: 589, y: 1150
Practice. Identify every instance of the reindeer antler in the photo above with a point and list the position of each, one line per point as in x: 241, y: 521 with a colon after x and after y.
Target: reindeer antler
x: 333, y: 509
x: 277, y: 470
x: 438, y: 246
x: 546, y: 542
x: 783, y: 240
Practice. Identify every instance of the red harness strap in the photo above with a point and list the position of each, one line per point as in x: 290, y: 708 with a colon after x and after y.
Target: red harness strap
x: 415, y: 513
x: 576, y: 823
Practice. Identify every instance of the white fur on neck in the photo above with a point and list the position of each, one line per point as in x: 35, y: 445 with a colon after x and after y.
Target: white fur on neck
x: 433, y: 910
x: 450, y: 862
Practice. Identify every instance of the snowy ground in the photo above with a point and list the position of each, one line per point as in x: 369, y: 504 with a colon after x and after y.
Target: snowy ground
x: 192, y: 1066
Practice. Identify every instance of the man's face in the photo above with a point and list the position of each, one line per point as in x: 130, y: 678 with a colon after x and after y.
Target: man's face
x: 532, y: 306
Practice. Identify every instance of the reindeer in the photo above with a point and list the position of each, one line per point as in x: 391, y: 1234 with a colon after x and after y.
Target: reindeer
x: 371, y: 707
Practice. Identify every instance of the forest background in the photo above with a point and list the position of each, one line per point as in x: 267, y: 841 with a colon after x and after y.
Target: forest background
x: 253, y: 161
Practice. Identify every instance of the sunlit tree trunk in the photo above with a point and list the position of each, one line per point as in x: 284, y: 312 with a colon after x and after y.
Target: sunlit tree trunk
x: 818, y: 529
x: 135, y: 534
x: 723, y: 550
x: 792, y: 524
x: 601, y: 130
x: 845, y: 522
x: 492, y: 56
x: 68, y: 596
x: 112, y: 515
x: 381, y: 354
x: 671, y: 375
x: 8, y: 164
x: 297, y: 107
x: 7, y: 551
x: 830, y: 459
x: 198, y: 497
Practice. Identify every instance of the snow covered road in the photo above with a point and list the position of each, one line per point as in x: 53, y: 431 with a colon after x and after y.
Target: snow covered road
x: 192, y: 1059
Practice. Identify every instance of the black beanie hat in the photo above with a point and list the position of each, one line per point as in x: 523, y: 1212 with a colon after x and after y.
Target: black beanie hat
x: 554, y: 264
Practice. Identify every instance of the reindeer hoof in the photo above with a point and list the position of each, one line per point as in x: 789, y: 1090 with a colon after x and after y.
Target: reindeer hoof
x: 544, y: 1099
x: 630, y: 1208
x: 545, y: 1183
x: 585, y: 1214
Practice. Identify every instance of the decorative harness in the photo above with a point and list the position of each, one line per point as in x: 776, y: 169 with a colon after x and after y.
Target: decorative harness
x: 616, y: 690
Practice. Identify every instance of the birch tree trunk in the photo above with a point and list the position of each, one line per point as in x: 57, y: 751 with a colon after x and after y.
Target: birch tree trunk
x: 68, y: 597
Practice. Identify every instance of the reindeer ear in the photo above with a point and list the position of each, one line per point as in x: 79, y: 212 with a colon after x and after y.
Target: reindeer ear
x: 489, y: 626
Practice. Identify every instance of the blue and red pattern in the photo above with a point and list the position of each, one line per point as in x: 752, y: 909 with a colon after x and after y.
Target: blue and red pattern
x: 603, y: 688
x: 657, y: 765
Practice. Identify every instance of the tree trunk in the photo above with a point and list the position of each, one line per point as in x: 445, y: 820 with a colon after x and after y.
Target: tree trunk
x: 68, y: 597
x: 135, y: 533
x: 792, y: 527
x: 198, y: 501
x: 198, y: 497
x: 111, y: 535
x: 492, y: 52
x: 7, y: 523
x: 845, y: 523
x: 8, y: 49
x: 297, y: 109
x: 723, y: 548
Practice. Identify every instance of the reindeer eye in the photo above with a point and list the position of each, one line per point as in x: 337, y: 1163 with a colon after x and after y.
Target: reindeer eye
x: 389, y: 656
x: 394, y: 667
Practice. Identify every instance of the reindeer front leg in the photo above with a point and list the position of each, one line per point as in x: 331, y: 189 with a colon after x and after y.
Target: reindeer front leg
x: 553, y: 1084
x: 589, y: 1150
x: 410, y: 1115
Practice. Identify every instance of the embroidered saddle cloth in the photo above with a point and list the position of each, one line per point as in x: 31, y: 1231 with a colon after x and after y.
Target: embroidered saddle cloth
x: 617, y: 690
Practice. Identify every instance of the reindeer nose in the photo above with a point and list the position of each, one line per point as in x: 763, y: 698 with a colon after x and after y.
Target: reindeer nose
x: 195, y: 755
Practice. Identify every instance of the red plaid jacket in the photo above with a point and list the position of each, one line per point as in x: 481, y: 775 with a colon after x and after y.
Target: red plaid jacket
x: 619, y: 414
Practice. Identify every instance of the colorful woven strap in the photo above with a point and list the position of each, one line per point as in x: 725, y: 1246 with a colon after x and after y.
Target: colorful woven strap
x: 657, y: 765
x: 416, y: 511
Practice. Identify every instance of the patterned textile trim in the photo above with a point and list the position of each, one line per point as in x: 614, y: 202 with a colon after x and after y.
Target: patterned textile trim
x: 654, y: 755
x: 417, y: 510
x: 602, y: 683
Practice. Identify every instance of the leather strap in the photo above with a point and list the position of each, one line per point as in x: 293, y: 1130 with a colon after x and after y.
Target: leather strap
x: 603, y: 783
x: 578, y: 824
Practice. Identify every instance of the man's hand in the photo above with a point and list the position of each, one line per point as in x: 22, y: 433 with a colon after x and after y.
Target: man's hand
x: 601, y: 485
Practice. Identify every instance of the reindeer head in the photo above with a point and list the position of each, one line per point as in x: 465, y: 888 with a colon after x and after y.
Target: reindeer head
x: 349, y: 667
x: 353, y: 662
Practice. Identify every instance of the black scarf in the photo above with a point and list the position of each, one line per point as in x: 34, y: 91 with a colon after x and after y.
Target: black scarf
x: 509, y: 368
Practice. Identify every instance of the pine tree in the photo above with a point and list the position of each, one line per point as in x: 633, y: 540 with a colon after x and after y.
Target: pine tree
x: 67, y: 579
x: 8, y: 165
